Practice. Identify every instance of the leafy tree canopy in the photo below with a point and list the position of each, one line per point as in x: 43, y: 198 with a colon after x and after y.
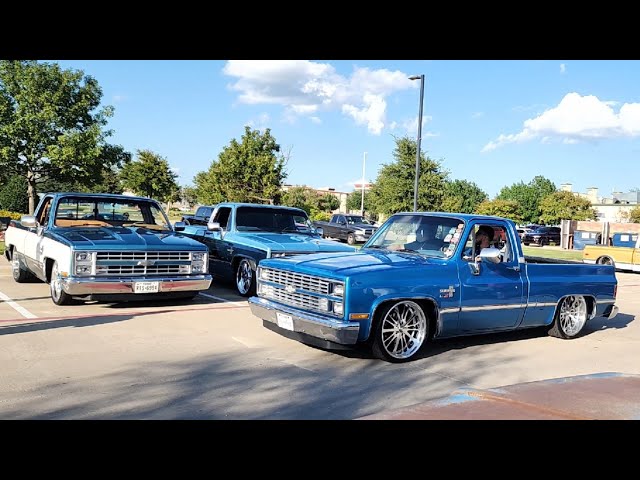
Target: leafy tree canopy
x: 51, y: 126
x: 501, y: 208
x: 393, y: 189
x: 462, y: 196
x: 251, y: 170
x: 151, y: 176
x: 634, y: 215
x: 565, y: 206
x: 528, y: 196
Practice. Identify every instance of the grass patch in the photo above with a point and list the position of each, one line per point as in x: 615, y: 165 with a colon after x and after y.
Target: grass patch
x: 575, y: 255
x: 1, y: 248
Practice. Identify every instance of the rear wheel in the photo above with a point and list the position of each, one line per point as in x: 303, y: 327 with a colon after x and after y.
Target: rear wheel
x: 570, y: 318
x: 605, y: 261
x: 58, y: 295
x: 245, y: 279
x: 400, y: 332
x: 20, y: 274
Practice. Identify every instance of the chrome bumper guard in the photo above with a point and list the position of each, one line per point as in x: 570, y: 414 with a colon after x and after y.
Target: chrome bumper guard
x: 330, y: 329
x: 97, y: 286
x: 613, y: 312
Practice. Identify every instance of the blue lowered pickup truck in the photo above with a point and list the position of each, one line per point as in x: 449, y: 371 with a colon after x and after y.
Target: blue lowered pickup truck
x: 424, y: 276
x: 105, y: 247
x: 240, y: 235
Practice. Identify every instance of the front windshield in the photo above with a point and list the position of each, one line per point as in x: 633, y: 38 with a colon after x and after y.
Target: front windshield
x: 352, y: 219
x: 428, y: 235
x: 101, y: 212
x: 279, y: 220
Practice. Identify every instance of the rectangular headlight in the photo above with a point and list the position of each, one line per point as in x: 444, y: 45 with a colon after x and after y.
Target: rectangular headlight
x: 338, y: 289
x: 338, y: 308
x: 197, y: 256
x: 278, y: 255
x: 198, y: 268
x: 83, y: 269
x: 83, y: 256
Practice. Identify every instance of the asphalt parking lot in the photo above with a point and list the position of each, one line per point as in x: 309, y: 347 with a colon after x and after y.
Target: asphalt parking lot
x: 211, y: 359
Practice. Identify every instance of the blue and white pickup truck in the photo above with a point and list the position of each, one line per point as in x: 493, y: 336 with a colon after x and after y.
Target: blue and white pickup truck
x: 105, y: 247
x: 240, y: 235
x: 424, y: 276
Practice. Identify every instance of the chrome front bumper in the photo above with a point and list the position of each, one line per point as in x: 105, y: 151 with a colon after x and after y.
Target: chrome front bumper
x: 330, y: 329
x: 108, y: 286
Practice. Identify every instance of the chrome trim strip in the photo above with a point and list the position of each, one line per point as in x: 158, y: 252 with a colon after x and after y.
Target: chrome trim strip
x: 599, y: 302
x: 345, y: 333
x: 492, y: 307
x: 544, y: 304
x: 450, y: 310
x: 109, y: 286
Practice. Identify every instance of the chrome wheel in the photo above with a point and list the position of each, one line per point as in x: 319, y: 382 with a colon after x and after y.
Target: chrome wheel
x: 605, y: 261
x: 403, y: 330
x: 244, y: 278
x: 573, y: 315
x: 55, y: 284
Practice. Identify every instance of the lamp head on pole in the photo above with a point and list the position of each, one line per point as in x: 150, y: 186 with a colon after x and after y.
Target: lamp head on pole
x: 414, y: 77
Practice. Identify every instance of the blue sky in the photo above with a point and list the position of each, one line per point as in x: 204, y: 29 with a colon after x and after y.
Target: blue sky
x: 491, y: 122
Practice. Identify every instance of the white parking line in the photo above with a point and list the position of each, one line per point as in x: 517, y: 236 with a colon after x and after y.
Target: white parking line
x: 222, y: 299
x: 18, y: 308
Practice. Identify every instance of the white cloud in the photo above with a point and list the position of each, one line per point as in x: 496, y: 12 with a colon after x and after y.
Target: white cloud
x: 315, y: 120
x: 119, y: 98
x: 261, y: 122
x: 305, y: 88
x: 477, y: 115
x: 410, y: 126
x: 563, y: 68
x: 577, y: 118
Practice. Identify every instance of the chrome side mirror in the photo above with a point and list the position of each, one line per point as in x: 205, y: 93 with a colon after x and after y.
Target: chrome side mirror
x: 29, y: 221
x: 491, y: 254
x: 179, y: 226
x: 213, y: 227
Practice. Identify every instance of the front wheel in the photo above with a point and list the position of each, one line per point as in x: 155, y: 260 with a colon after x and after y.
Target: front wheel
x: 58, y: 295
x: 570, y: 318
x: 245, y: 278
x: 400, y: 331
x: 351, y: 239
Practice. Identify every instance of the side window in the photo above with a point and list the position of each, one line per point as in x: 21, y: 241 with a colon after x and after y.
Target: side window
x: 43, y: 214
x: 486, y: 236
x: 222, y: 217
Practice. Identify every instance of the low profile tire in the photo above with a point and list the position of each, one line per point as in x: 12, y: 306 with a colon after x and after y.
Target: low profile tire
x: 605, y: 261
x: 245, y: 279
x: 351, y: 239
x: 20, y: 275
x: 526, y: 244
x: 58, y: 295
x: 400, y: 331
x: 571, y: 317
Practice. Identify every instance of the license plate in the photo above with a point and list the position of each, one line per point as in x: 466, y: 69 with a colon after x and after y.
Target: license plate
x: 284, y: 321
x: 146, y: 287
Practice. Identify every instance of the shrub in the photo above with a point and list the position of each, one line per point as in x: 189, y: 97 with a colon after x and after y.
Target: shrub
x: 319, y: 216
x: 11, y: 215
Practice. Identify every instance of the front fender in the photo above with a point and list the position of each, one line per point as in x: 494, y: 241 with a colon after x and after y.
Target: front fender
x: 365, y: 329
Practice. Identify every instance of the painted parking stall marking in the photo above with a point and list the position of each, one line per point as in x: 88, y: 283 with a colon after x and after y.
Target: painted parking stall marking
x: 18, y: 308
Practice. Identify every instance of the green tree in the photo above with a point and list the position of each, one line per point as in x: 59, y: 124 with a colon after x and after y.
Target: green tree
x: 393, y: 189
x: 354, y: 201
x: 13, y: 196
x: 529, y: 196
x: 151, y: 176
x: 565, y: 206
x: 501, y: 208
x: 189, y: 196
x: 51, y: 126
x: 634, y: 215
x: 462, y: 196
x: 328, y: 202
x: 251, y: 170
x: 301, y: 197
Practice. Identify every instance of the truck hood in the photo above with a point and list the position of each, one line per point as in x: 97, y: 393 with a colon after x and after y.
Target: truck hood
x: 125, y: 238
x: 363, y: 226
x: 292, y: 242
x: 349, y: 264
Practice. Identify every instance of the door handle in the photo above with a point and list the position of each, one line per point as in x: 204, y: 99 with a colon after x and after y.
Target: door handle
x: 515, y: 269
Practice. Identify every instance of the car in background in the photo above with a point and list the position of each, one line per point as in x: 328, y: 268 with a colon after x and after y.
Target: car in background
x: 542, y: 236
x: 522, y: 231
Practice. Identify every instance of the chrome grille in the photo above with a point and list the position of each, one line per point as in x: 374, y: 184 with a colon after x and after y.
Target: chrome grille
x: 140, y: 270
x: 300, y: 300
x: 296, y: 280
x: 129, y: 256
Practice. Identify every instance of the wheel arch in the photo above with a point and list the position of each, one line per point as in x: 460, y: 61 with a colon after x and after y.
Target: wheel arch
x: 236, y: 260
x: 591, y: 305
x: 428, y: 304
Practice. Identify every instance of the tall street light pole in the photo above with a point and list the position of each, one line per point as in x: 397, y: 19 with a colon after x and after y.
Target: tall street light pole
x: 415, y: 186
x: 364, y: 161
